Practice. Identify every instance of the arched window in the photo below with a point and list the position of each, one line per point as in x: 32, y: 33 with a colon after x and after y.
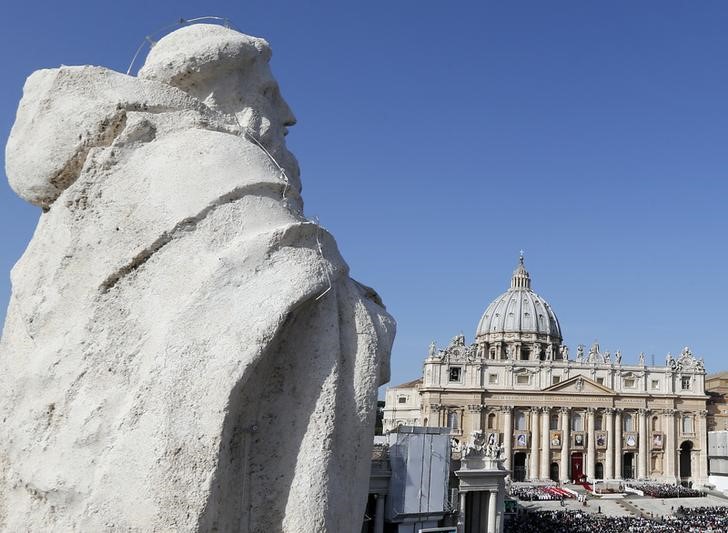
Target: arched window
x: 598, y: 421
x: 491, y: 421
x: 655, y: 423
x: 520, y: 420
x: 687, y: 424
x: 628, y: 422
x: 554, y: 422
x: 577, y: 422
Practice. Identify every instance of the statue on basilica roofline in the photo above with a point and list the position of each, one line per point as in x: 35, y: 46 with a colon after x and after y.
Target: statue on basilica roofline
x: 580, y: 353
x: 549, y: 352
x: 607, y: 358
x: 593, y: 352
x: 564, y: 352
x: 642, y: 359
x: 432, y: 350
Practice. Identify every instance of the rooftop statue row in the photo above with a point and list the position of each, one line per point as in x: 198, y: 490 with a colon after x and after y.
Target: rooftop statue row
x: 458, y: 350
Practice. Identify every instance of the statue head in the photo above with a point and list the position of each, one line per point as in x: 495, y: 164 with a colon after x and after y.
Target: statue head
x: 229, y: 72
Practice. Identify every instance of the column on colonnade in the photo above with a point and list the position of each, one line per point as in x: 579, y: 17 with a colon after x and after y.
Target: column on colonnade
x: 618, y: 443
x: 507, y: 435
x: 703, y: 443
x: 609, y: 428
x: 564, y: 468
x: 591, y: 443
x: 545, y: 442
x: 535, y: 431
x: 642, y: 463
x: 670, y: 462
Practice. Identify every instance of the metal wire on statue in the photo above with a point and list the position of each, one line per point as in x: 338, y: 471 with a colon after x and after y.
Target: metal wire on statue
x: 181, y: 22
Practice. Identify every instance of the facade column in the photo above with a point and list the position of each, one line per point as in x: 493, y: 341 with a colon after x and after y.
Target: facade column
x: 703, y: 443
x: 609, y: 421
x: 508, y: 436
x: 642, y: 463
x: 670, y: 452
x: 545, y: 442
x: 533, y: 473
x: 461, y: 513
x: 591, y: 444
x: 492, y: 506
x: 618, y: 443
x: 476, y: 419
x: 379, y: 515
x: 564, y: 469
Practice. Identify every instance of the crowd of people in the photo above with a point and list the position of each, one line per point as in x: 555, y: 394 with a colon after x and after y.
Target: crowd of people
x: 697, y: 520
x: 539, y: 492
x: 665, y: 490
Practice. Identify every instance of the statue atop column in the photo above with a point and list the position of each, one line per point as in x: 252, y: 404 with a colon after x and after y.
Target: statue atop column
x: 175, y: 313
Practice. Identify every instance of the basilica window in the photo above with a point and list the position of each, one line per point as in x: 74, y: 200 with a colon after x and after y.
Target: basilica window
x: 555, y: 380
x: 655, y: 384
x: 655, y: 423
x: 492, y: 379
x: 520, y: 420
x: 685, y: 382
x: 455, y: 373
x: 629, y: 383
x: 523, y: 379
x: 491, y: 421
x: 600, y: 381
x: 402, y: 399
x: 598, y: 420
x: 628, y: 422
x: 453, y: 420
x: 577, y: 422
x: 687, y: 424
x: 554, y: 422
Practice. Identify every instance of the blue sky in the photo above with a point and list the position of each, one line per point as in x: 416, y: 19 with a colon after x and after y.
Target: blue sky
x: 437, y: 139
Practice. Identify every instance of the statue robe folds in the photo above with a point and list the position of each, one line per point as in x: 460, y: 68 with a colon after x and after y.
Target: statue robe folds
x: 183, y: 350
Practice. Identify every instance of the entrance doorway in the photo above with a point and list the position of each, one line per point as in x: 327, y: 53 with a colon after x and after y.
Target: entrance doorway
x: 628, y: 466
x: 599, y: 471
x: 554, y: 472
x: 686, y: 469
x: 577, y: 466
x: 519, y: 466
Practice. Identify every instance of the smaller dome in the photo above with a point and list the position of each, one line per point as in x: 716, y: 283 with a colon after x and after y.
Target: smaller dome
x: 519, y: 310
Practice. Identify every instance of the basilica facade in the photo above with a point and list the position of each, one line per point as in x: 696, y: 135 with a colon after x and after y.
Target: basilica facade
x: 558, y: 415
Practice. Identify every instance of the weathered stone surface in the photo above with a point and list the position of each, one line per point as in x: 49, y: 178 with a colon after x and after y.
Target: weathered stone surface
x: 183, y: 350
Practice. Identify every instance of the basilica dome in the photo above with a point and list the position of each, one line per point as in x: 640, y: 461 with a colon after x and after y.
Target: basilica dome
x: 519, y: 314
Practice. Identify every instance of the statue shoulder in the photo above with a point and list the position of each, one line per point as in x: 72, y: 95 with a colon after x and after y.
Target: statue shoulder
x: 67, y: 111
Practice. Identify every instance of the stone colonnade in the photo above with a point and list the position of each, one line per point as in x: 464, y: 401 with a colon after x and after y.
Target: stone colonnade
x: 611, y: 453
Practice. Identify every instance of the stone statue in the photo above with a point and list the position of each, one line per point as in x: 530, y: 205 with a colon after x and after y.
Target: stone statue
x: 670, y: 361
x: 183, y: 350
x: 607, y: 357
x: 618, y: 357
x: 593, y: 352
x: 432, y: 351
x: 509, y: 352
x: 642, y: 359
x: 549, y: 352
x: 564, y: 352
x: 580, y: 353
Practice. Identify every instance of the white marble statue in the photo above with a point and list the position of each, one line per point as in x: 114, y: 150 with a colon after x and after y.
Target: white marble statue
x: 183, y: 350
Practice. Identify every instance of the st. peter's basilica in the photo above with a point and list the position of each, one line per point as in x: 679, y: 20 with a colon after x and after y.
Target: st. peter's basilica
x: 558, y: 414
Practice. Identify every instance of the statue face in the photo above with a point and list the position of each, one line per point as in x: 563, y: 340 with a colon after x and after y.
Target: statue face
x: 253, y: 96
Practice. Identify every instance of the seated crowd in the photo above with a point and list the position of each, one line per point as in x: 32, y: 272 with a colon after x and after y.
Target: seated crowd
x: 700, y: 519
x: 539, y: 492
x: 665, y: 490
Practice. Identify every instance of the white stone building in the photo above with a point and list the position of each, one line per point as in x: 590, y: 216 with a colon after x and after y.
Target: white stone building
x: 557, y: 416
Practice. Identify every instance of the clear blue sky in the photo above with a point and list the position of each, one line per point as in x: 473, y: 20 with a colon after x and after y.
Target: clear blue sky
x: 437, y: 139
